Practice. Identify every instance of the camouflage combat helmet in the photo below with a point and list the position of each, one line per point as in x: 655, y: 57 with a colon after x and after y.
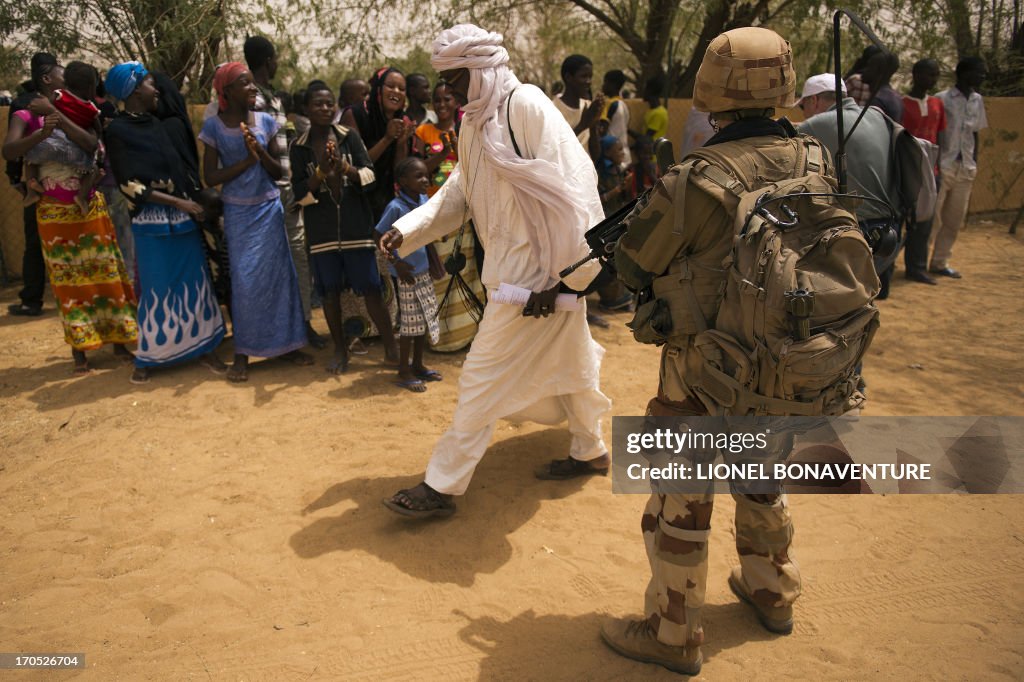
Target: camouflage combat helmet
x: 743, y: 69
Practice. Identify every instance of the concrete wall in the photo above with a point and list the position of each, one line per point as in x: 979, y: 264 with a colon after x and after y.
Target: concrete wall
x: 1000, y: 183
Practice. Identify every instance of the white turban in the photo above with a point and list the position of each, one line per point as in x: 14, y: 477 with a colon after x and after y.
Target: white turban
x: 549, y: 204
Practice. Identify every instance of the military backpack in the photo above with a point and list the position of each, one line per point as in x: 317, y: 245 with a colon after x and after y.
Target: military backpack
x: 782, y: 322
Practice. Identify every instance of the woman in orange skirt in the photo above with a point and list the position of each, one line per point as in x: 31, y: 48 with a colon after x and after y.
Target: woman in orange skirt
x: 84, y: 263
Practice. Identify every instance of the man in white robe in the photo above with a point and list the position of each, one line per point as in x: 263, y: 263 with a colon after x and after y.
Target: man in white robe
x: 531, y: 208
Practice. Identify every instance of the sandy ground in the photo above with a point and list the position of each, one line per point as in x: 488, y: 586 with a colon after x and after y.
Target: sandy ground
x: 195, y: 529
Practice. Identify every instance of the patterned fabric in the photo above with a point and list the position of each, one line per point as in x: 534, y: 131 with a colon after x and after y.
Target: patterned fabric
x: 417, y: 308
x: 429, y: 136
x: 179, y: 318
x: 858, y: 89
x: 87, y: 273
x: 676, y: 529
x: 357, y: 320
x: 457, y: 326
x: 268, y: 102
x: 58, y: 148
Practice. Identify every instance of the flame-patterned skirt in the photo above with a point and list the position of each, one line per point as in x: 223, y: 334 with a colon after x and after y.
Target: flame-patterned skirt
x: 179, y: 318
x: 93, y: 291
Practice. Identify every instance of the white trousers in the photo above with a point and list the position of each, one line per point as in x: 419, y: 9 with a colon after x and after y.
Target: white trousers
x: 458, y: 452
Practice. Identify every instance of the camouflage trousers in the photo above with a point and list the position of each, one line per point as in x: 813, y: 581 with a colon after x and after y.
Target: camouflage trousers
x: 676, y: 529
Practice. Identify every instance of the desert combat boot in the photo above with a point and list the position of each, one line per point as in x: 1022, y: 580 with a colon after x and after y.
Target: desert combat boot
x: 777, y: 619
x: 637, y: 639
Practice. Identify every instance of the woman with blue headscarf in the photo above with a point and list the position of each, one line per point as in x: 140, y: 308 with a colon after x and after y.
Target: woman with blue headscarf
x: 179, y: 318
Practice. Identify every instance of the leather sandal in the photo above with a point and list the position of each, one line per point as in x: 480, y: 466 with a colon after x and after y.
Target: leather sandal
x: 421, y: 502
x: 564, y: 469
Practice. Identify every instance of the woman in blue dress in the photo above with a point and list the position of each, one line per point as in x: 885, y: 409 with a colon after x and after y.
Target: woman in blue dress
x: 179, y: 318
x: 266, y: 312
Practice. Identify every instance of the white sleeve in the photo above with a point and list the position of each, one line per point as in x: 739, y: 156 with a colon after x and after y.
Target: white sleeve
x: 441, y: 215
x: 982, y: 116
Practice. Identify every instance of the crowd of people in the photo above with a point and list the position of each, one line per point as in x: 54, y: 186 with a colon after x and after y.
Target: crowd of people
x: 110, y: 173
x: 946, y: 124
x: 400, y: 218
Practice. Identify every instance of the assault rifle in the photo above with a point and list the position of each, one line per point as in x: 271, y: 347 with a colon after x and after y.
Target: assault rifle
x: 603, y: 237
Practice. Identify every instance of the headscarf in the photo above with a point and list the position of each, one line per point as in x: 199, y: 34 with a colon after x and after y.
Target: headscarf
x: 606, y: 144
x: 550, y: 205
x: 225, y: 76
x: 122, y: 79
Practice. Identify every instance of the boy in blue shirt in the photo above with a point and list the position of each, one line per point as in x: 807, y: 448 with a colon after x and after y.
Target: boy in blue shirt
x: 417, y: 304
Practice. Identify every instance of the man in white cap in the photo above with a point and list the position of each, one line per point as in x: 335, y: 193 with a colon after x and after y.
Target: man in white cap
x: 818, y: 94
x: 531, y: 191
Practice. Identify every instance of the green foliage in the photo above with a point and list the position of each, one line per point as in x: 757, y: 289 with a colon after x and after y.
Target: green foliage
x: 180, y: 37
x: 336, y: 39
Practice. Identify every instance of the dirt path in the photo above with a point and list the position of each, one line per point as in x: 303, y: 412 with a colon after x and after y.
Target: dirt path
x: 195, y: 529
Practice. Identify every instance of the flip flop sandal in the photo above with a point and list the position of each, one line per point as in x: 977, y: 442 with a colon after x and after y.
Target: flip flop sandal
x: 430, y: 375
x: 430, y: 505
x: 414, y: 385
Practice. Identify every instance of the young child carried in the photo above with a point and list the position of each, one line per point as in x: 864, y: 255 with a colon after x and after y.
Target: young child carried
x: 75, y: 102
x: 417, y: 303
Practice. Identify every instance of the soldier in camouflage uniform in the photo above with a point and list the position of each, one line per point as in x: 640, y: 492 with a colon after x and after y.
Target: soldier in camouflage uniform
x: 685, y: 228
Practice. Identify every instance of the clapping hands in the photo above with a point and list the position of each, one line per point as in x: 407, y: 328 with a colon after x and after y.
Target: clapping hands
x: 252, y: 144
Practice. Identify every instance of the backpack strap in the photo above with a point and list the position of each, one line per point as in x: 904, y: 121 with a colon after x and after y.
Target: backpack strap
x: 683, y: 271
x: 508, y: 120
x: 679, y: 201
x: 815, y: 161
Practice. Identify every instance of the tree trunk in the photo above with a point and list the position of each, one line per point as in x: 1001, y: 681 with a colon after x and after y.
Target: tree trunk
x: 661, y: 15
x: 958, y: 17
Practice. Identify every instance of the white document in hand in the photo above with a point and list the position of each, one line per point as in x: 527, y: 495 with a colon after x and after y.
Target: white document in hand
x: 511, y: 294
